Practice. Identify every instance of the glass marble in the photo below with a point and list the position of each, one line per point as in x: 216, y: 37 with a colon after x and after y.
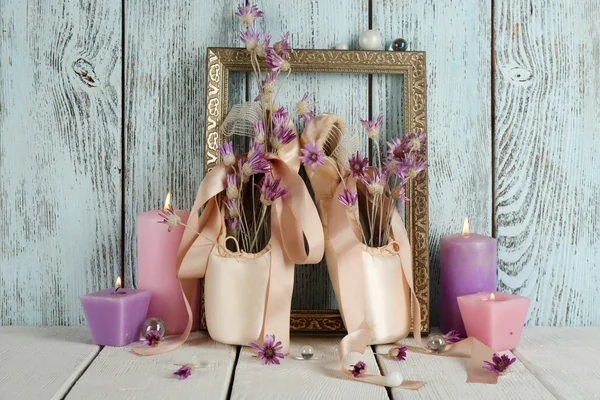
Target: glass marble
x: 153, y: 324
x: 307, y: 352
x: 399, y: 45
x: 436, y: 343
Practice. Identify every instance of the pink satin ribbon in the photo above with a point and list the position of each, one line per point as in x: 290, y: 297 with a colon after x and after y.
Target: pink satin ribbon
x: 347, y: 244
x: 293, y: 218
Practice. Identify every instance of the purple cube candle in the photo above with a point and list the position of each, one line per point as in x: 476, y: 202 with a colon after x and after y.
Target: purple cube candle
x: 468, y: 265
x: 115, y: 316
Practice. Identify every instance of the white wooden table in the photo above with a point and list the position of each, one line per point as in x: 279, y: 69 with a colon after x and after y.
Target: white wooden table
x: 61, y: 362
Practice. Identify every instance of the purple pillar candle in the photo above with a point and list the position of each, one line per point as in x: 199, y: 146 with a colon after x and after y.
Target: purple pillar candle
x: 468, y: 265
x: 115, y: 316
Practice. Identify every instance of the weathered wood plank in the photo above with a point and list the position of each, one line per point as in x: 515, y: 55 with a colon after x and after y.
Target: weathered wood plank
x: 445, y: 378
x: 165, y: 56
x: 456, y: 37
x: 564, y: 360
x: 117, y: 373
x: 60, y: 157
x: 310, y: 26
x: 547, y: 170
x: 319, y: 378
x: 42, y: 363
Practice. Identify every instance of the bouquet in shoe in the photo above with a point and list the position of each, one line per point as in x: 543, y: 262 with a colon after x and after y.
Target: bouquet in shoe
x: 257, y: 219
x: 367, y: 249
x: 381, y: 189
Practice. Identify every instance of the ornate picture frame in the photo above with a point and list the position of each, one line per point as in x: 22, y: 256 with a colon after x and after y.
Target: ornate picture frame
x: 220, y: 62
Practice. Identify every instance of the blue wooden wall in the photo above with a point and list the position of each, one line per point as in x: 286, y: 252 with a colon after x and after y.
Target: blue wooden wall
x: 102, y: 112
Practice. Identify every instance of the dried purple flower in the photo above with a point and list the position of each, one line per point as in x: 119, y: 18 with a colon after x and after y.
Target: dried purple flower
x: 280, y: 117
x: 169, y: 217
x: 270, y: 190
x: 311, y: 155
x: 152, y: 339
x: 275, y: 62
x: 399, y: 353
x: 417, y: 166
x: 499, y: 364
x: 256, y: 146
x: 248, y: 13
x: 283, y: 137
x: 251, y: 38
x: 254, y: 164
x: 349, y: 198
x: 358, y: 369
x: 283, y: 46
x: 226, y: 150
x: 396, y: 149
x: 259, y: 133
x: 373, y: 127
x: 304, y: 109
x: 401, y: 169
x: 414, y: 142
x: 265, y: 89
x: 375, y: 182
x: 233, y: 206
x: 261, y: 48
x: 184, y: 372
x: 452, y: 337
x: 358, y: 165
x: 232, y: 190
x: 269, y: 351
x: 233, y: 225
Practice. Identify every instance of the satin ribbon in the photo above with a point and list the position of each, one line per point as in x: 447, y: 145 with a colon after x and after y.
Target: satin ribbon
x: 293, y: 219
x: 347, y: 245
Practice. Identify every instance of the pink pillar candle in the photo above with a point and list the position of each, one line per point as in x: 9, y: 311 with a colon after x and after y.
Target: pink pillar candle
x: 115, y: 317
x: 468, y: 265
x: 495, y: 319
x: 157, y: 270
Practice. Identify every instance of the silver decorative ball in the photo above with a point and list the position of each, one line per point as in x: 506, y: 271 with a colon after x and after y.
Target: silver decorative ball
x: 370, y: 40
x: 153, y: 324
x: 307, y: 352
x: 436, y: 343
x: 342, y: 46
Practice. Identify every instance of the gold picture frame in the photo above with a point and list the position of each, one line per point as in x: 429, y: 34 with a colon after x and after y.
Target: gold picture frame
x: 411, y: 64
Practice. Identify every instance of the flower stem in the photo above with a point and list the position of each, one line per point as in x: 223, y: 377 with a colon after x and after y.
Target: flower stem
x: 196, y: 232
x: 381, y: 202
x: 371, y: 220
x: 262, y: 218
x: 336, y: 170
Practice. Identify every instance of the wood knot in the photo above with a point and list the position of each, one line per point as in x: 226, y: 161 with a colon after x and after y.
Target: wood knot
x: 86, y: 72
x: 519, y: 74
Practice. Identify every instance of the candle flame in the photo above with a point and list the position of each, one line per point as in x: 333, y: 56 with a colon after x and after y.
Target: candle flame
x: 466, y: 227
x: 492, y: 297
x: 167, y: 201
x: 118, y: 283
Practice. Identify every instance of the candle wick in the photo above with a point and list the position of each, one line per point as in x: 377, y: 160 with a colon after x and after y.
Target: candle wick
x: 117, y: 289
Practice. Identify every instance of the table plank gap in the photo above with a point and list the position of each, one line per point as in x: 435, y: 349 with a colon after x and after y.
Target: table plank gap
x: 319, y: 378
x: 378, y: 360
x: 79, y: 373
x: 234, y: 366
x: 117, y: 373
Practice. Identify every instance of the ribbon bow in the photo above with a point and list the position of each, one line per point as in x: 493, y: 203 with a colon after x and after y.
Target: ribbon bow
x: 295, y: 211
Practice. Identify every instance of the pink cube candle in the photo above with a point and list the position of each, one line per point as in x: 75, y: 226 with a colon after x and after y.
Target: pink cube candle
x: 494, y: 318
x: 115, y: 317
